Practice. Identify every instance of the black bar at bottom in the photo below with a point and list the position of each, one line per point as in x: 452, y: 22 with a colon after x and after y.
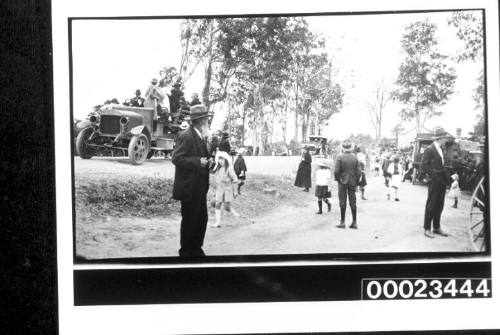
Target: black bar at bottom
x: 251, y: 284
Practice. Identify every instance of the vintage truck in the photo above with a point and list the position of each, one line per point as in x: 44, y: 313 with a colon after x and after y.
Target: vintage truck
x: 129, y: 130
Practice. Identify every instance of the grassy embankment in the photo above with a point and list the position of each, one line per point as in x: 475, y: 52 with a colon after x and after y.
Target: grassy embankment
x: 151, y: 197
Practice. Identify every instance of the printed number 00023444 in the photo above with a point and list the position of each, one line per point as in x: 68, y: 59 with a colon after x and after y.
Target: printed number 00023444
x: 425, y: 288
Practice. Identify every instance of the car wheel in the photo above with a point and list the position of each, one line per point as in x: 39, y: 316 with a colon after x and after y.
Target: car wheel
x: 138, y: 149
x: 82, y: 140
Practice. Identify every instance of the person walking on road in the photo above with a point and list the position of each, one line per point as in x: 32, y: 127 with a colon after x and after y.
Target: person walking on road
x: 303, y: 178
x: 225, y: 177
x: 394, y: 174
x: 385, y: 164
x: 191, y: 160
x: 362, y: 181
x: 454, y: 191
x: 347, y: 173
x: 322, y: 175
x: 433, y: 165
x: 376, y: 166
x: 240, y: 168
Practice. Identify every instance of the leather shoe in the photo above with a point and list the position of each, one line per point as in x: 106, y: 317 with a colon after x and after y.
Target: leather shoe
x: 341, y: 225
x: 353, y: 225
x: 429, y: 234
x: 440, y: 232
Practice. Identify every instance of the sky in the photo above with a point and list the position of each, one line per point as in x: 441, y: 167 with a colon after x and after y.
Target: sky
x: 113, y: 58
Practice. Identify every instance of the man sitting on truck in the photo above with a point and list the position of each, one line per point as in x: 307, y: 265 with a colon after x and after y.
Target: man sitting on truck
x: 137, y: 101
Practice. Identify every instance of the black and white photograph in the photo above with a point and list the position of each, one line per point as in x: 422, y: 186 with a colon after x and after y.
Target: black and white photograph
x: 259, y: 135
x: 254, y: 168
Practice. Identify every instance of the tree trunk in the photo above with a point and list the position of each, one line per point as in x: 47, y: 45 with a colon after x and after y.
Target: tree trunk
x: 206, y: 87
x: 417, y: 120
x: 243, y: 128
x: 296, y: 130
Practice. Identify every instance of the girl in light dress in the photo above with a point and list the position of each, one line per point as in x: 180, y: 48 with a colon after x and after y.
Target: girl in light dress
x: 454, y: 191
x: 322, y: 175
x: 225, y: 178
x: 394, y: 174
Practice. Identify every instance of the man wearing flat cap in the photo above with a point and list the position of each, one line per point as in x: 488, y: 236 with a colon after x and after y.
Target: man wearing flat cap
x: 433, y: 164
x: 191, y: 160
x: 347, y: 173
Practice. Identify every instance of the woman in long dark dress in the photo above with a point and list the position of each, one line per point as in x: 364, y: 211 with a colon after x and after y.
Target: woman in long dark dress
x: 303, y: 178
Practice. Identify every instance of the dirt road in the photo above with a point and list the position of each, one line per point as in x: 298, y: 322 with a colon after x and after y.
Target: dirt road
x: 384, y: 226
x: 99, y: 167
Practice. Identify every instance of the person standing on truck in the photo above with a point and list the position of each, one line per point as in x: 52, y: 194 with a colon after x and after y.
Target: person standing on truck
x: 154, y: 98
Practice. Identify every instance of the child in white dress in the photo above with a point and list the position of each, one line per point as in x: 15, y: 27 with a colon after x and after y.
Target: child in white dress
x: 322, y: 175
x: 454, y: 191
x: 225, y: 179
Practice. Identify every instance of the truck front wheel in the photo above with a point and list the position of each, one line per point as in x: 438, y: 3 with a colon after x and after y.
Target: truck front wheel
x: 138, y: 149
x: 82, y: 148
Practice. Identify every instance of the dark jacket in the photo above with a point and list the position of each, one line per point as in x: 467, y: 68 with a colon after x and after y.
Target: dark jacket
x: 347, y: 169
x: 239, y: 166
x: 432, y: 164
x: 224, y: 145
x: 190, y: 177
x: 303, y: 178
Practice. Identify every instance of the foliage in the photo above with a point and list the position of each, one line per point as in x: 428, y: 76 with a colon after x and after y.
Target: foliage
x: 469, y: 27
x: 361, y: 140
x: 425, y: 80
x: 168, y: 76
x: 271, y: 66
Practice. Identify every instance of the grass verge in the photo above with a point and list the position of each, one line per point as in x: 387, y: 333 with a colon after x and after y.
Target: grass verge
x: 151, y: 197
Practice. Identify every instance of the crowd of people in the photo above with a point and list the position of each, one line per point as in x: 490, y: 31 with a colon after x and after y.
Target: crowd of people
x: 170, y: 105
x: 352, y: 164
x: 196, y: 157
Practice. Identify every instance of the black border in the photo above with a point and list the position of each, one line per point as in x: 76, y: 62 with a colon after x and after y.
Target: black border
x: 390, y: 256
x: 28, y: 280
x: 253, y: 284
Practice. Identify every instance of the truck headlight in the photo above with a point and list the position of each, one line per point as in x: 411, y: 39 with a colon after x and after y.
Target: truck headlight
x: 93, y: 118
x: 124, y: 121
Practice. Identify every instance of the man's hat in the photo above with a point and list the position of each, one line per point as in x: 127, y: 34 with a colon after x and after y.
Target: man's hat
x: 184, y: 125
x: 225, y: 134
x: 154, y: 81
x: 138, y: 92
x: 198, y: 112
x: 440, y: 133
x: 347, y: 146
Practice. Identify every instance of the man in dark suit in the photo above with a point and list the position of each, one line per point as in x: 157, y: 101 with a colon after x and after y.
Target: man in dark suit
x: 347, y: 173
x: 433, y: 164
x: 191, y: 160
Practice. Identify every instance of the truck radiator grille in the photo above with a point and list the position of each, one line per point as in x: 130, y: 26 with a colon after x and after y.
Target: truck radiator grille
x: 110, y: 124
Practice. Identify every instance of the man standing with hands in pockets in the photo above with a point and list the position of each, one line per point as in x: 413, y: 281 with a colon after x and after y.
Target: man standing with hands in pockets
x: 191, y: 160
x: 433, y: 165
x: 347, y: 173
